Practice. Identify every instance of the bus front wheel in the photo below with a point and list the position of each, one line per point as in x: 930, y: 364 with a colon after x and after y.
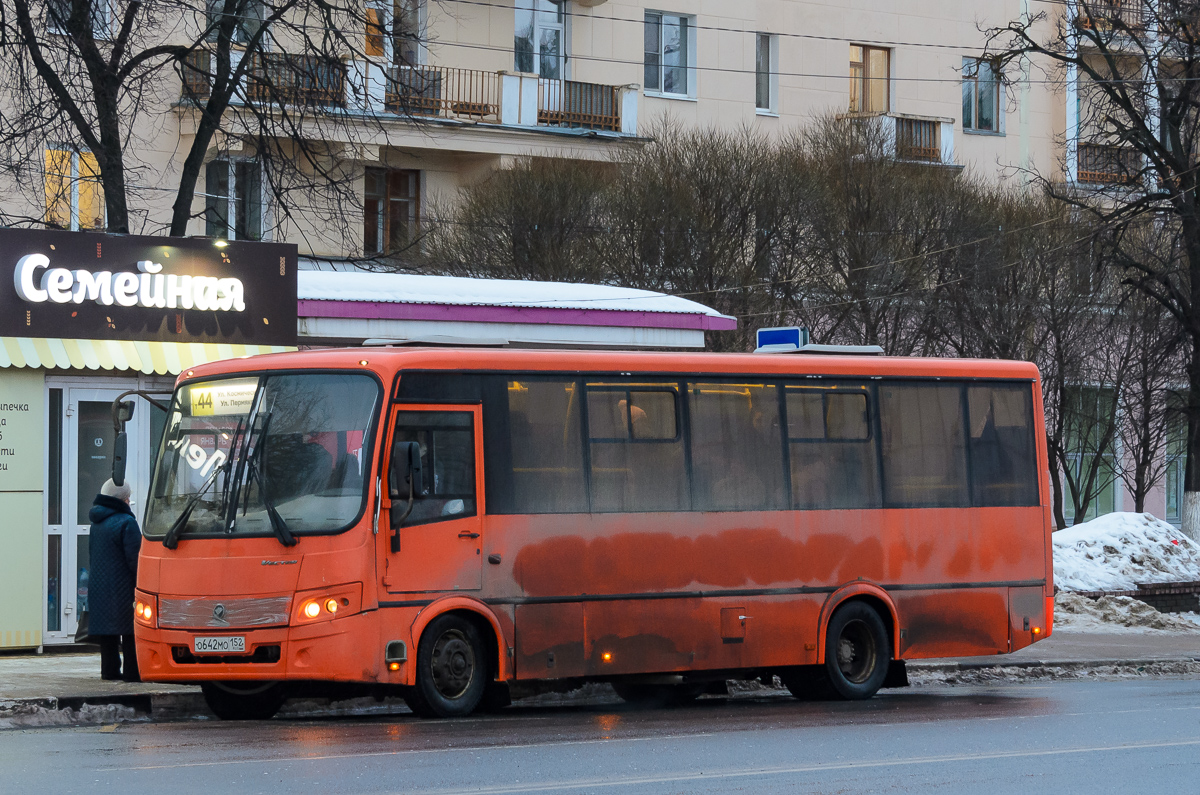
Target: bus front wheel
x: 243, y: 700
x: 452, y: 669
x: 856, y: 651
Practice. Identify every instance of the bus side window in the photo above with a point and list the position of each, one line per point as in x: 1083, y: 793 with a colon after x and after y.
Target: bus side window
x: 546, y: 446
x: 1003, y: 463
x: 447, y: 440
x: 831, y: 447
x: 637, y: 454
x: 737, y: 458
x: 923, y: 444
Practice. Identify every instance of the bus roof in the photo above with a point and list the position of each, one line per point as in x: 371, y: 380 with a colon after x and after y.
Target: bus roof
x: 387, y: 361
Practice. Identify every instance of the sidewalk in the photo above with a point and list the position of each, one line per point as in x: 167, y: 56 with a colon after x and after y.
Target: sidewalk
x: 53, y: 682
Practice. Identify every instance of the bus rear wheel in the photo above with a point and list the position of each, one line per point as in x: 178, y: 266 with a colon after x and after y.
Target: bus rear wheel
x: 452, y: 669
x: 856, y: 651
x: 244, y: 700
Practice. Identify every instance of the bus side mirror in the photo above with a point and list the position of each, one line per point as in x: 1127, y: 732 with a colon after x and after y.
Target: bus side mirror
x: 122, y: 413
x: 406, y: 464
x: 120, y: 447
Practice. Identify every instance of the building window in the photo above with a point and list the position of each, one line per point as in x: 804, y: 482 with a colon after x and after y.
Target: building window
x: 249, y: 20
x: 981, y: 95
x: 869, y: 78
x: 233, y: 200
x: 766, y: 72
x: 538, y: 44
x: 58, y: 12
x: 1176, y: 455
x: 391, y: 210
x: 1091, y: 412
x: 668, y: 54
x: 74, y: 196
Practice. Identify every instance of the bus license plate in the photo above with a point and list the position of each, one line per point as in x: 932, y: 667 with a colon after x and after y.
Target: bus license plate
x: 223, y: 645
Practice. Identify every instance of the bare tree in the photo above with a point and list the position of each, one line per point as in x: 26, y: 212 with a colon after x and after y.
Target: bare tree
x: 1133, y: 150
x: 268, y: 81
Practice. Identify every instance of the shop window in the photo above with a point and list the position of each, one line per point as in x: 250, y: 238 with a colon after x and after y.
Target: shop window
x: 391, y: 210
x: 233, y: 205
x: 546, y: 445
x: 637, y: 452
x: 923, y: 445
x: 737, y: 447
x: 870, y: 91
x: 831, y: 448
x: 669, y: 56
x: 74, y: 196
x: 540, y: 36
x: 980, y: 95
x: 766, y: 72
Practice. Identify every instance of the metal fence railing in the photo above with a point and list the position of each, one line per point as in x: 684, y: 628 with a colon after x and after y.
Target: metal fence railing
x: 569, y: 103
x: 1111, y: 14
x: 443, y: 91
x: 288, y: 79
x: 1101, y: 164
x: 918, y: 139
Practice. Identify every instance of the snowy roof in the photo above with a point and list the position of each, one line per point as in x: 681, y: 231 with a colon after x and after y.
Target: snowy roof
x: 461, y: 291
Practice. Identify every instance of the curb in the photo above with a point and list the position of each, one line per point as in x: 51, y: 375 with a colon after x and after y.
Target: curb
x: 188, y: 704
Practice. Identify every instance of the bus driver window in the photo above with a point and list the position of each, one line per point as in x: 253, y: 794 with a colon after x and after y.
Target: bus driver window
x: 447, y: 444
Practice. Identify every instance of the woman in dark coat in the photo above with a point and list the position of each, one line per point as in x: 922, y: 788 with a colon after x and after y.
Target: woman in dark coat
x: 115, y: 541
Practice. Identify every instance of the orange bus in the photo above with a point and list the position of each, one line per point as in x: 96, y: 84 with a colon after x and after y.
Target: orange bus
x: 459, y: 525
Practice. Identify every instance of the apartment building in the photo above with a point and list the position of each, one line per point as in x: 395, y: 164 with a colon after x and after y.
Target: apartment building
x: 447, y: 91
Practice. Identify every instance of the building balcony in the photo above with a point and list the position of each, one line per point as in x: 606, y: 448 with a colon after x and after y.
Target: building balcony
x: 917, y: 139
x: 428, y: 93
x: 1101, y: 164
x: 1119, y: 15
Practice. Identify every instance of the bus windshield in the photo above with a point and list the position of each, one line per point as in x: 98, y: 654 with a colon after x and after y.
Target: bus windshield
x: 259, y: 455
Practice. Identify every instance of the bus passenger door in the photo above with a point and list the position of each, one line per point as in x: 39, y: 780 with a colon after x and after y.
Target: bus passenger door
x: 440, y: 540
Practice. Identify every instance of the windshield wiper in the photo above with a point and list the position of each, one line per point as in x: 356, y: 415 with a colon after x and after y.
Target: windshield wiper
x: 254, y: 472
x: 171, y: 539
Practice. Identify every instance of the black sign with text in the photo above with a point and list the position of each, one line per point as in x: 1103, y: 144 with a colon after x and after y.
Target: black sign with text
x: 88, y: 285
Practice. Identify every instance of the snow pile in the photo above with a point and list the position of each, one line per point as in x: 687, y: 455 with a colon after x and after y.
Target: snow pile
x: 1119, y: 550
x: 1109, y: 613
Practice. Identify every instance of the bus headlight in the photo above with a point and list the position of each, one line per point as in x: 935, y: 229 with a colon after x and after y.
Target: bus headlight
x: 145, y: 609
x: 328, y: 603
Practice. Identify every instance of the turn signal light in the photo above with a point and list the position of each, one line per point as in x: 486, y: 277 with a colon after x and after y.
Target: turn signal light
x: 312, y: 610
x: 1037, y: 630
x: 331, y: 606
x: 394, y: 666
x: 607, y: 656
x: 143, y: 611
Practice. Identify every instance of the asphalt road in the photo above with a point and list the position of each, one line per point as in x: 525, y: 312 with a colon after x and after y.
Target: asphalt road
x: 1058, y: 737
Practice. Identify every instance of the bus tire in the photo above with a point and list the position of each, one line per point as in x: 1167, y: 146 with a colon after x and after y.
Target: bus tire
x: 808, y: 682
x: 658, y: 695
x: 856, y: 651
x: 244, y: 700
x: 452, y: 669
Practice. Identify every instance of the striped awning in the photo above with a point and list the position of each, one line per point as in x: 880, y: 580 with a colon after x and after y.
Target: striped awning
x: 150, y: 358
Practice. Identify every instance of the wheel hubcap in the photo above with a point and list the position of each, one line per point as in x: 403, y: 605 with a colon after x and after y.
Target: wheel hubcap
x: 453, y: 664
x: 856, y: 652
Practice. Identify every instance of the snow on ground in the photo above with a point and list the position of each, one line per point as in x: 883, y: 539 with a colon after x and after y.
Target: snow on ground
x: 1119, y: 550
x: 1075, y: 613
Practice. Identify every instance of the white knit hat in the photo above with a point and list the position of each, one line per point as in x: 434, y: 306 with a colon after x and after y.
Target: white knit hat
x: 122, y: 492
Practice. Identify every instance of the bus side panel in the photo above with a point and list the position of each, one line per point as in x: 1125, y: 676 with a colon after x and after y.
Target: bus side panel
x: 962, y: 623
x: 1027, y: 608
x: 549, y: 641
